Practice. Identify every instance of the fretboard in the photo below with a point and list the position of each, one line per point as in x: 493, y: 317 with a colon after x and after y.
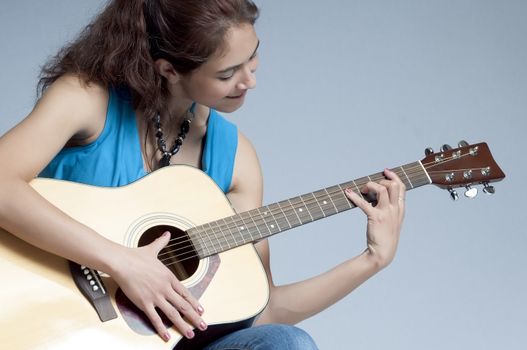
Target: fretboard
x: 254, y: 225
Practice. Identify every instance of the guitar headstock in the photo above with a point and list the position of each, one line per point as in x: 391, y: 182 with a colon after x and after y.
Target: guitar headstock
x: 464, y: 166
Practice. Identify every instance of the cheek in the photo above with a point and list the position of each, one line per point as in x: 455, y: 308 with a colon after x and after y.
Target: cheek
x: 214, y: 91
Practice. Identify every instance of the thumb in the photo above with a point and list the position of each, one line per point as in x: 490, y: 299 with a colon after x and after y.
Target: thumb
x: 160, y: 242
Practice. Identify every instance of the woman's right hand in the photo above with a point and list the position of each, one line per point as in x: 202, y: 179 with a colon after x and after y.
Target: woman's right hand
x: 149, y: 284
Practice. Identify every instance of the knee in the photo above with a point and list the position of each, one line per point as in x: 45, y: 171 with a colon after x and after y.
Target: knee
x: 289, y: 337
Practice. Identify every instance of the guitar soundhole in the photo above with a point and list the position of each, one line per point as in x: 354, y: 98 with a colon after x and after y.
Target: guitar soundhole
x: 179, y: 255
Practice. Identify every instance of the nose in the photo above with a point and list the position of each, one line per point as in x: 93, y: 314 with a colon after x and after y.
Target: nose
x: 248, y: 80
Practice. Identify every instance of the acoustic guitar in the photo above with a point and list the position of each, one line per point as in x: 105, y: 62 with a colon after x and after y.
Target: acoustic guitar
x: 48, y: 302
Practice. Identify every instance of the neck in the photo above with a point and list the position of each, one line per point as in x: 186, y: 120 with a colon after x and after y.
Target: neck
x: 260, y: 223
x: 175, y: 112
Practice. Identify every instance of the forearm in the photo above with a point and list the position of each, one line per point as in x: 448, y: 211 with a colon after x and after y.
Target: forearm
x: 27, y: 215
x: 295, y: 302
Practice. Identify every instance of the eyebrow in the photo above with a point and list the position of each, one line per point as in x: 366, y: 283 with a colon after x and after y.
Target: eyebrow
x: 239, y: 65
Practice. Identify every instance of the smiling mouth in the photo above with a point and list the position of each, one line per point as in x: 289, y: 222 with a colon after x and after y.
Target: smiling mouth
x: 238, y: 96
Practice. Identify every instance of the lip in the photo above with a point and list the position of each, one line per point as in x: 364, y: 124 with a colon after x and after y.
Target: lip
x: 238, y: 96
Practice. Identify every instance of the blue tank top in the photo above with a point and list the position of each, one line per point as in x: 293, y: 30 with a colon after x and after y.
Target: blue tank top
x: 114, y: 158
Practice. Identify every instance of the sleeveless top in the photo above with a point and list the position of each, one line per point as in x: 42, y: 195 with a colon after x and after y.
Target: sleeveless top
x: 115, y: 159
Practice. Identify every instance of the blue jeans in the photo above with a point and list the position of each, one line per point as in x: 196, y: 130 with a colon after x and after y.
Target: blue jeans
x: 265, y: 337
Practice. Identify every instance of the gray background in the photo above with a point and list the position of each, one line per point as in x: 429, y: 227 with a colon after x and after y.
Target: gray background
x: 346, y: 88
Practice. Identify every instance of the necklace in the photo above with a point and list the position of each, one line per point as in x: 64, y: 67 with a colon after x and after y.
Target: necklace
x: 161, y: 143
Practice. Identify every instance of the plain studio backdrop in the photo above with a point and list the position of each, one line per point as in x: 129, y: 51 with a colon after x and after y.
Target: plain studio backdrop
x: 346, y: 88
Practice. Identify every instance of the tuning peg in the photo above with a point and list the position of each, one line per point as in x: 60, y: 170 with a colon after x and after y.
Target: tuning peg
x: 429, y: 151
x: 453, y: 194
x: 471, y: 192
x: 488, y: 189
x: 462, y: 143
x: 445, y: 148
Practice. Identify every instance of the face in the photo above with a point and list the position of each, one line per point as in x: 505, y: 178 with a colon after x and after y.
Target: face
x: 223, y: 81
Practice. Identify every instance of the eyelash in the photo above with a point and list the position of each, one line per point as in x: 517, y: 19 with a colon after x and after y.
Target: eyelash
x: 232, y: 75
x: 225, y: 78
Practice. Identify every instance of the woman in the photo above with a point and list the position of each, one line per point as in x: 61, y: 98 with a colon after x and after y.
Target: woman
x: 140, y: 89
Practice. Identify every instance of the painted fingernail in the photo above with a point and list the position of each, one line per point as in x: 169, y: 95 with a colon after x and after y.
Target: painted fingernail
x: 190, y: 334
x: 166, y: 336
x: 202, y: 326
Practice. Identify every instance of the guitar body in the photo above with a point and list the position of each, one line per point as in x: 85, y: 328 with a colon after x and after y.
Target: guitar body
x: 42, y: 308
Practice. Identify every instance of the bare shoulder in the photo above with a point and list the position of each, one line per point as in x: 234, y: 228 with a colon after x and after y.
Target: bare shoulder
x: 246, y: 190
x: 68, y: 110
x: 76, y: 103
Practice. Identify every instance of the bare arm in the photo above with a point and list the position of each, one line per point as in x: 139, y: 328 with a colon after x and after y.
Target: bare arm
x: 70, y: 110
x: 295, y: 302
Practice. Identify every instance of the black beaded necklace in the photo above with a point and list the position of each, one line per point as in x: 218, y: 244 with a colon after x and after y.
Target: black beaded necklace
x: 161, y: 143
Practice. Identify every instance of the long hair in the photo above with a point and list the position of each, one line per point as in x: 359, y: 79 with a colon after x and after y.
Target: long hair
x: 119, y: 47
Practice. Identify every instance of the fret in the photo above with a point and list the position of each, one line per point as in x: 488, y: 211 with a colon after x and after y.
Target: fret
x: 223, y: 233
x: 272, y: 223
x: 277, y: 215
x: 251, y: 227
x: 362, y: 181
x: 265, y: 225
x: 230, y: 231
x: 339, y: 200
x: 243, y: 229
x: 331, y: 200
x: 319, y: 206
x: 251, y: 216
x: 343, y: 201
x: 211, y: 246
x: 307, y: 208
x: 405, y: 174
x: 357, y: 189
x: 313, y: 208
x: 294, y: 210
x: 195, y: 235
x: 300, y: 210
x: 420, y: 177
x: 219, y: 246
x: 284, y: 214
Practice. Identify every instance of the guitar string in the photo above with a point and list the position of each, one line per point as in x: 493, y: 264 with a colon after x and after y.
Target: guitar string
x: 260, y: 219
x: 229, y: 241
x: 289, y: 209
x: 280, y: 209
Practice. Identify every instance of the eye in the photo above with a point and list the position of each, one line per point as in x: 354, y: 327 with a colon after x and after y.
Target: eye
x: 225, y: 78
x: 226, y: 75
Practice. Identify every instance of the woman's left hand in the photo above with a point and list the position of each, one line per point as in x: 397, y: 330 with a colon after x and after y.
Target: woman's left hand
x: 384, y: 219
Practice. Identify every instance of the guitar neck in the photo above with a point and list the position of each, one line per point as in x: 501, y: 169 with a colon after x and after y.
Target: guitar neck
x: 254, y: 225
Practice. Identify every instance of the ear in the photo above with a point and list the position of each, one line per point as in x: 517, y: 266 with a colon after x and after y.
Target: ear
x: 165, y: 69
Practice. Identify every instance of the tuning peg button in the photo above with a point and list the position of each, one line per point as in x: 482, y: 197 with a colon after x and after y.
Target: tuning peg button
x: 429, y: 151
x: 453, y: 194
x: 445, y: 148
x: 488, y: 189
x: 462, y: 143
x: 471, y: 192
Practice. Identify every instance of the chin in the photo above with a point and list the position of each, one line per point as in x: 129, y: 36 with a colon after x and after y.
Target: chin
x: 227, y: 109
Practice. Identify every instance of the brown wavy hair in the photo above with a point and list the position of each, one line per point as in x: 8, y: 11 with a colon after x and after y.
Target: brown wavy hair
x: 119, y: 47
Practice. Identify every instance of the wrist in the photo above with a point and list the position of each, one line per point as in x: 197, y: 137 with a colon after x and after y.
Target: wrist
x: 114, y: 259
x: 377, y: 260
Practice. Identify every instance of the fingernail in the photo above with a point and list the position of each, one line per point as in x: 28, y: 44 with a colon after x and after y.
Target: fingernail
x: 200, y: 309
x: 166, y: 336
x: 190, y: 334
x: 202, y: 326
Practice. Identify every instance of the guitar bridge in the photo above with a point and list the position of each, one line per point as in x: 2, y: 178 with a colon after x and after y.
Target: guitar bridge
x: 92, y: 287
